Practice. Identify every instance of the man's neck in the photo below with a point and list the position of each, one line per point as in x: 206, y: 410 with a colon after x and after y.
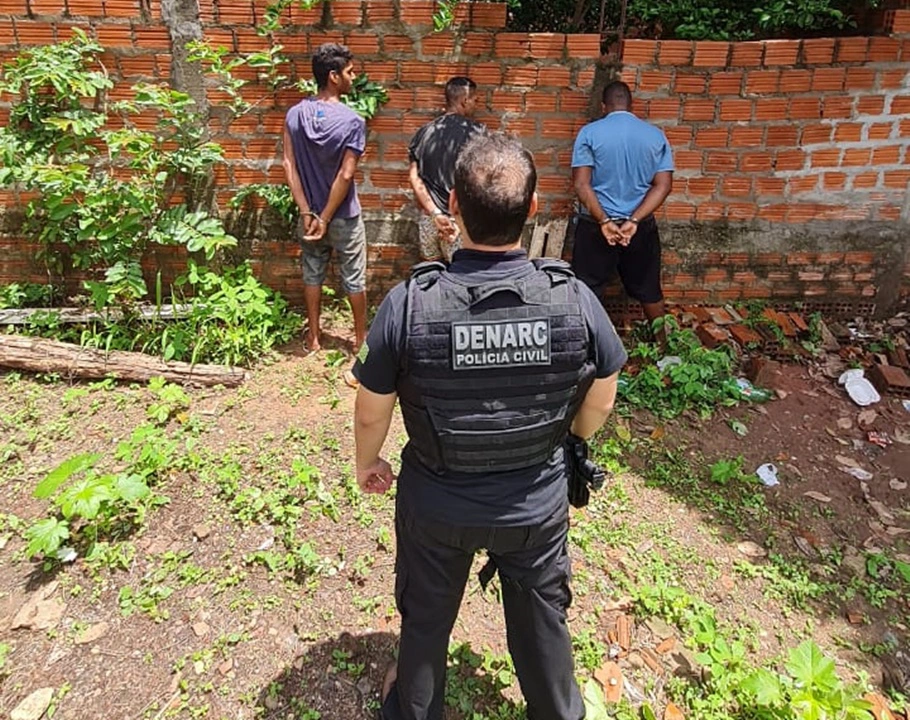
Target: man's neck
x: 329, y: 94
x: 468, y: 245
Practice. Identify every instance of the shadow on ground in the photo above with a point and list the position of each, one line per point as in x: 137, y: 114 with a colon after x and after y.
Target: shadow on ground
x: 339, y: 678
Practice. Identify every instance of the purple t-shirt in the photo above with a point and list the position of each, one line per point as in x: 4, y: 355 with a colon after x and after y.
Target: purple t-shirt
x: 320, y: 133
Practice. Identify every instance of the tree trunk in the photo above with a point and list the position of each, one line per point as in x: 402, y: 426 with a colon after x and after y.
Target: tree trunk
x: 581, y: 6
x: 69, y: 315
x: 71, y: 361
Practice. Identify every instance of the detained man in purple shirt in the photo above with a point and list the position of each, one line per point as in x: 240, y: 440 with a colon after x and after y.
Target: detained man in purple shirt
x: 323, y: 141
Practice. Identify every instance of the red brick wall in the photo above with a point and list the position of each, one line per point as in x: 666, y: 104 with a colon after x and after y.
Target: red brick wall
x: 792, y: 155
x: 782, y: 130
x: 783, y: 134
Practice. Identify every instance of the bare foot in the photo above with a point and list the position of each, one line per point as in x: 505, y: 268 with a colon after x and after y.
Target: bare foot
x: 311, y: 343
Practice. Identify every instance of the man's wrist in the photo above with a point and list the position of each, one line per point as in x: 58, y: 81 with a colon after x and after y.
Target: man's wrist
x: 436, y: 212
x: 634, y: 220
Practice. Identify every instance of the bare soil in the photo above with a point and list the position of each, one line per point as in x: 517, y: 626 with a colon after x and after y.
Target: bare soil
x: 241, y: 643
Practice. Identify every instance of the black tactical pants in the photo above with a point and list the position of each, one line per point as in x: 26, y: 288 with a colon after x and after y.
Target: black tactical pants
x: 432, y: 565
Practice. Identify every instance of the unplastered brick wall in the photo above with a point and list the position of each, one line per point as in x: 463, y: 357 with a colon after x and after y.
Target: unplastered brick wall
x: 536, y: 86
x: 792, y: 155
x: 792, y: 158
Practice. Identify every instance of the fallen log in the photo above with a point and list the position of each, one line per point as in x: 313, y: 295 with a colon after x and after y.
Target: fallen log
x: 72, y: 361
x: 69, y: 315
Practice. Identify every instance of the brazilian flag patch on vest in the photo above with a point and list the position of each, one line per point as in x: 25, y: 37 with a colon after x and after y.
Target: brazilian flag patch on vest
x: 500, y: 343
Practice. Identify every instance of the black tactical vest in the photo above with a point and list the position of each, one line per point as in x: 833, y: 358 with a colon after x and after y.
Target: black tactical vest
x: 495, y: 389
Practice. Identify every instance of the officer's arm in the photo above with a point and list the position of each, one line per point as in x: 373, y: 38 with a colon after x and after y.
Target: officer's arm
x: 372, y: 417
x: 596, y: 407
x: 581, y: 178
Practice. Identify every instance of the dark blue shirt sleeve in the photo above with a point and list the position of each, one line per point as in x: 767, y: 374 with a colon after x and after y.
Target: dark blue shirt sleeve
x: 379, y: 360
x: 609, y: 353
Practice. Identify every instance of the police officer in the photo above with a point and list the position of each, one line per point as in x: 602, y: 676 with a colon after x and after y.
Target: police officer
x: 493, y: 362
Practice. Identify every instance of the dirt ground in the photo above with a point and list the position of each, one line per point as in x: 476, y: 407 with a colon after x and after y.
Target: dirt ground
x: 220, y: 636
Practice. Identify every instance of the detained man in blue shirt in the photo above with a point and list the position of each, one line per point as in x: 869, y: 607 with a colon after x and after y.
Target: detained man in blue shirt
x: 622, y: 169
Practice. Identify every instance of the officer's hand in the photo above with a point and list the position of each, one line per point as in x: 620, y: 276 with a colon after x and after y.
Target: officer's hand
x: 611, y: 232
x: 626, y: 232
x: 376, y: 478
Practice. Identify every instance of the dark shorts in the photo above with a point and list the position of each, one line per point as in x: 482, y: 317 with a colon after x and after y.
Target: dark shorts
x: 638, y: 264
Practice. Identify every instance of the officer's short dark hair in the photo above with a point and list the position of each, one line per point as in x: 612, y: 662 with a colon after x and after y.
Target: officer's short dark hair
x: 495, y: 180
x: 458, y: 87
x: 328, y: 58
x: 617, y: 94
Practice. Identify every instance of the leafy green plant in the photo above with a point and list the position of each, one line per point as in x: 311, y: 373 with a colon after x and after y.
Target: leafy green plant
x: 231, y: 318
x: 89, y: 506
x: 588, y: 650
x: 476, y: 680
x: 104, y: 194
x: 725, y: 471
x: 809, y: 690
x: 280, y: 499
x: 742, y: 20
x: 107, y: 195
x: 277, y: 197
x: 342, y: 663
x: 271, y: 21
x: 170, y: 398
x: 25, y: 295
x: 701, y: 379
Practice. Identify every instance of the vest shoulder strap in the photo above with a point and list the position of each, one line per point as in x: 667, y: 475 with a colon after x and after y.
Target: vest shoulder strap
x: 558, y: 270
x: 424, y: 274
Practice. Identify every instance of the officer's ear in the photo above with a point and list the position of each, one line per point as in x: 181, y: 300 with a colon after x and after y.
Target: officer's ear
x: 532, y: 210
x: 453, y: 204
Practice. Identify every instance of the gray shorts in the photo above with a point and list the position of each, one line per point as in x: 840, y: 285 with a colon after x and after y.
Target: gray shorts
x: 348, y: 238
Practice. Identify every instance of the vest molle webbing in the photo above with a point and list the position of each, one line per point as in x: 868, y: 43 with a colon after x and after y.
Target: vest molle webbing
x: 493, y: 389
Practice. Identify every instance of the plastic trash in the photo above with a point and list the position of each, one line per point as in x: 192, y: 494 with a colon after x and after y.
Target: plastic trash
x: 847, y: 375
x: 745, y: 390
x: 878, y: 437
x: 906, y: 404
x: 66, y: 554
x: 862, y: 392
x: 767, y: 473
x: 858, y: 473
x: 668, y: 362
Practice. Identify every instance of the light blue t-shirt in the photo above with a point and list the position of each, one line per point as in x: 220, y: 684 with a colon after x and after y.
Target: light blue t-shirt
x: 625, y: 154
